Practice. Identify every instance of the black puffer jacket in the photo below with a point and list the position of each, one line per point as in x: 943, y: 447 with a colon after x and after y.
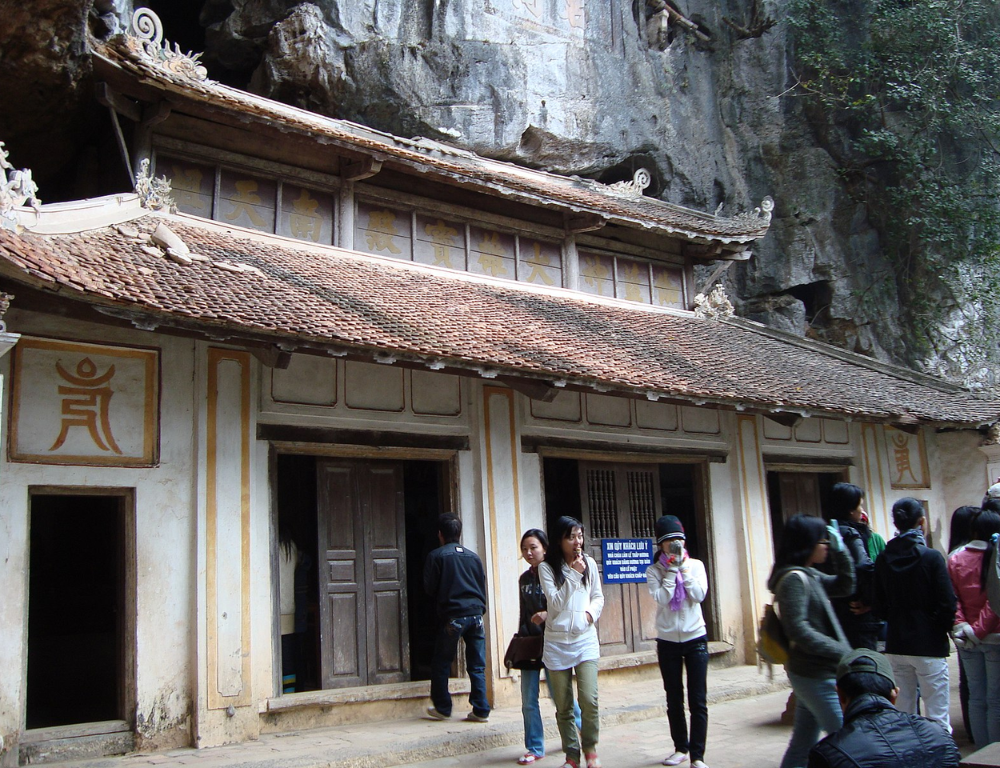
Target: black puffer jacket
x: 859, y: 628
x: 913, y: 593
x: 877, y: 735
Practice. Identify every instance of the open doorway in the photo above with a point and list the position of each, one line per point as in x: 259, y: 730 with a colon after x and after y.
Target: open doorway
x: 352, y: 538
x: 80, y: 617
x: 794, y: 492
x: 623, y: 500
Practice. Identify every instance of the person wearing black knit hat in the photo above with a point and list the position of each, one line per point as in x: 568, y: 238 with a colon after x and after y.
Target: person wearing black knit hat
x: 678, y: 584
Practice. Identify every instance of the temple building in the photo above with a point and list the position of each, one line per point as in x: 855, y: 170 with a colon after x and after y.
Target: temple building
x: 238, y: 396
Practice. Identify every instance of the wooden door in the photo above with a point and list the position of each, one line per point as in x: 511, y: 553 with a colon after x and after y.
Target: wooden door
x: 621, y: 501
x: 364, y: 634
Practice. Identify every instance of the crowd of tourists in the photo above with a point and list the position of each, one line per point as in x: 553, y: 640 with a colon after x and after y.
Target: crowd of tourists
x: 867, y: 628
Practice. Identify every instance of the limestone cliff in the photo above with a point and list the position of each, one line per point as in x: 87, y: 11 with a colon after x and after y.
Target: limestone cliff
x: 699, y: 92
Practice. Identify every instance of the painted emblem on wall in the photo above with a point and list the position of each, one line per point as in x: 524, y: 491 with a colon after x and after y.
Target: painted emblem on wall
x: 907, y: 459
x: 75, y: 403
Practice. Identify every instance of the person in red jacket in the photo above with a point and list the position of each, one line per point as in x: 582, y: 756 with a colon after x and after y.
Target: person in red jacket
x: 977, y: 628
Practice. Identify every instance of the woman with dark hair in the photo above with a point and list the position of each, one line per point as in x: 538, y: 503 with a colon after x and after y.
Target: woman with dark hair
x: 977, y: 628
x: 816, y: 637
x: 678, y: 583
x: 959, y: 535
x: 534, y: 544
x: 960, y: 532
x: 854, y: 611
x: 572, y: 588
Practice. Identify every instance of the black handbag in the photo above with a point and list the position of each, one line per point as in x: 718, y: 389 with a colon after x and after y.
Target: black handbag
x: 524, y: 652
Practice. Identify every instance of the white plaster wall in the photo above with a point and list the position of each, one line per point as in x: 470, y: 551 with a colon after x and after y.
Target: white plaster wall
x: 964, y: 475
x: 164, y: 520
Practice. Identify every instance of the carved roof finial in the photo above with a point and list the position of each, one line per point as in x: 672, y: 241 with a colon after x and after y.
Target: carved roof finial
x: 145, y: 38
x: 641, y: 179
x: 153, y: 193
x: 16, y: 189
x: 715, y: 305
x: 761, y: 215
x: 5, y: 300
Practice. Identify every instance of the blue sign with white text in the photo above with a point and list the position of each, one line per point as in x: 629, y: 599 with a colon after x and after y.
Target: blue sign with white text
x: 626, y: 560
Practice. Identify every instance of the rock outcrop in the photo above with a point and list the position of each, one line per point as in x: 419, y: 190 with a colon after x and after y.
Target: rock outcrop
x: 698, y: 92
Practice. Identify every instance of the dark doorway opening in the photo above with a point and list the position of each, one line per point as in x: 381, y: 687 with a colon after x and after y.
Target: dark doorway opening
x: 425, y: 489
x: 794, y: 493
x: 77, y: 612
x: 621, y: 500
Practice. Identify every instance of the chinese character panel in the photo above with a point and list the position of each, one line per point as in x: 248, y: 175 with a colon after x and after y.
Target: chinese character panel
x: 306, y: 214
x: 541, y: 263
x: 633, y: 280
x: 492, y: 253
x: 383, y: 231
x: 439, y: 242
x: 192, y: 185
x: 597, y: 274
x: 75, y: 403
x: 246, y: 201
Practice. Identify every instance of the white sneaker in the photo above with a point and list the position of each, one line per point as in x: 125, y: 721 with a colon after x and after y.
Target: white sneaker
x: 433, y: 714
x: 698, y: 764
x: 675, y: 759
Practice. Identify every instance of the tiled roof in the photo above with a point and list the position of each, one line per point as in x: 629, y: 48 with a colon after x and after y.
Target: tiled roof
x: 326, y: 297
x: 429, y: 157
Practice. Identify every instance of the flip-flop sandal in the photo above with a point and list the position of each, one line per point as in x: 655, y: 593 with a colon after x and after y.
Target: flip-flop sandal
x: 593, y: 761
x: 528, y: 758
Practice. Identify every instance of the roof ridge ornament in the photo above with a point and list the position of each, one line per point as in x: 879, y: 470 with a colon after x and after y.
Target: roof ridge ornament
x: 145, y: 38
x: 641, y: 179
x: 153, y: 193
x: 761, y: 215
x: 16, y: 189
x: 715, y: 306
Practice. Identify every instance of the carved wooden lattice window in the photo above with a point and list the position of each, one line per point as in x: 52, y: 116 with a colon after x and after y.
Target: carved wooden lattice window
x: 603, y: 504
x: 643, y: 503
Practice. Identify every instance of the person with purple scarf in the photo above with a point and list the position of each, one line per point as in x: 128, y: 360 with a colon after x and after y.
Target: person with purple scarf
x: 678, y: 584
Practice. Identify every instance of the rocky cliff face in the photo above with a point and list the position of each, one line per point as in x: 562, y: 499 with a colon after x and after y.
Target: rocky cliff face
x: 698, y: 92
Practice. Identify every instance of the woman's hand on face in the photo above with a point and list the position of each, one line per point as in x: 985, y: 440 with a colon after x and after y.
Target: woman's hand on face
x: 540, y: 617
x: 579, y: 565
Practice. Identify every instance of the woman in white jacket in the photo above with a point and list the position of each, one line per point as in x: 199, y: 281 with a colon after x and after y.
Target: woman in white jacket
x: 678, y: 584
x: 572, y: 588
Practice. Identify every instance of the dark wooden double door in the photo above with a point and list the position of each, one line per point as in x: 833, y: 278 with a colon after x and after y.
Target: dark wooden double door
x: 621, y: 501
x: 364, y: 629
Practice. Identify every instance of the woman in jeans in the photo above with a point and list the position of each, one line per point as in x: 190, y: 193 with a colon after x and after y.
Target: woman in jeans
x: 572, y: 588
x: 678, y: 584
x: 817, y: 640
x: 977, y: 627
x: 534, y: 544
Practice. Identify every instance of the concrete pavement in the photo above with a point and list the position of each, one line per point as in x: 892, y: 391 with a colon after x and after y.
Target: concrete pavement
x: 744, y: 730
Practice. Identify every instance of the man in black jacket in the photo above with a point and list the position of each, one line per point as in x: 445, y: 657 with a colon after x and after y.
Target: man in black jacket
x: 875, y: 733
x: 454, y: 578
x: 913, y: 593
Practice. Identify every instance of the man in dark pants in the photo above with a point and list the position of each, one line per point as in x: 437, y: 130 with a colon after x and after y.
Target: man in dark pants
x: 913, y: 593
x: 876, y: 734
x: 454, y: 578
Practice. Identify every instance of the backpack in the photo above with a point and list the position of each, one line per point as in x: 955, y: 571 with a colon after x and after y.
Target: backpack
x: 772, y: 642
